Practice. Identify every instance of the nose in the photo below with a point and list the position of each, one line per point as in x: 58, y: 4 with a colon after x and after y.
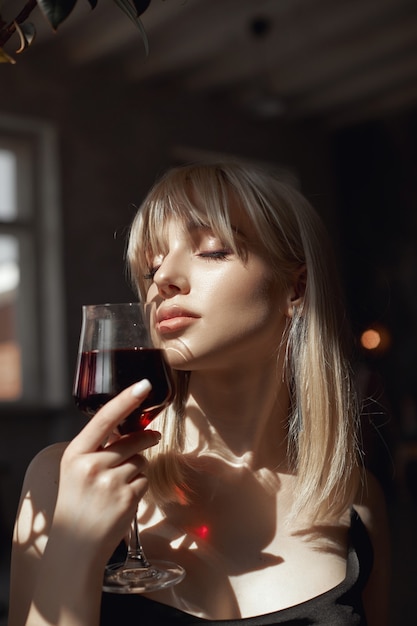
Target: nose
x: 171, y: 278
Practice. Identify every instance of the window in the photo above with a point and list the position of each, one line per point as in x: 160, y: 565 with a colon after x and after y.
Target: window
x: 10, y: 363
x: 32, y: 355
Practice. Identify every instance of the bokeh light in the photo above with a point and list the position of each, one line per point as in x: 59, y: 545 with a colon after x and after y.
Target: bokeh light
x: 376, y: 338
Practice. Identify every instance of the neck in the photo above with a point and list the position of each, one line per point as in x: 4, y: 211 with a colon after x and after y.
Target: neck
x: 240, y: 415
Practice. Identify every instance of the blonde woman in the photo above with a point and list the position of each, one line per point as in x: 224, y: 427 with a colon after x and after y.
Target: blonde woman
x: 253, y: 475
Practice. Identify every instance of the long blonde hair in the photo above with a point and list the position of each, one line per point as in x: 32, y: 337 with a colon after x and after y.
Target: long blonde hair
x: 324, y: 415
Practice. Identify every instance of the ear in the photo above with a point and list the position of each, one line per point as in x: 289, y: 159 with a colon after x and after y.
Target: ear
x: 297, y: 290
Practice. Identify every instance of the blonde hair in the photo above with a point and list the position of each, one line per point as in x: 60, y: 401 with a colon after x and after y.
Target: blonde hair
x: 323, y: 418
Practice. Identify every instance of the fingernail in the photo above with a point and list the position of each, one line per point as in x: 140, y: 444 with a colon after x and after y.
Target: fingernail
x: 143, y: 386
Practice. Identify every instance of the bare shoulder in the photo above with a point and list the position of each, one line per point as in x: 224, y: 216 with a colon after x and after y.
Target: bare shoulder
x: 38, y: 497
x: 32, y: 526
x: 371, y: 506
x: 42, y: 474
x: 47, y: 460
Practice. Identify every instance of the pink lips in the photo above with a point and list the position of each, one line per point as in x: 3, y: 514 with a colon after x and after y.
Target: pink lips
x: 173, y: 318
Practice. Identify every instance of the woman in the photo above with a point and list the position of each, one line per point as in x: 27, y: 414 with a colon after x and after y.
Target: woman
x: 256, y: 485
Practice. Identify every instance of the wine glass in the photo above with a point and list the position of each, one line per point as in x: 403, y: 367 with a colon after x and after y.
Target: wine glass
x: 115, y: 351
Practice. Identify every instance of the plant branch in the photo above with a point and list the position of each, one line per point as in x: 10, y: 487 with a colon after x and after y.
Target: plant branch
x: 8, y: 31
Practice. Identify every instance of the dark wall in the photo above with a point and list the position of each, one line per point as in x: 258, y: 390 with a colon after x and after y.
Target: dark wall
x: 375, y: 173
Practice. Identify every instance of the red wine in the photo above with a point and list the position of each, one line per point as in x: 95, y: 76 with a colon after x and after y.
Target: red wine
x: 102, y: 374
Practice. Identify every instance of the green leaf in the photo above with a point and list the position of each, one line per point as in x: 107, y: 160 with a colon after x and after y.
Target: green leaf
x: 56, y: 11
x: 27, y: 33
x: 127, y: 8
x: 141, y: 6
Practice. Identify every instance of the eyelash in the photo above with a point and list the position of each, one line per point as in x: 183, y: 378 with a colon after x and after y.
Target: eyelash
x: 216, y: 255
x: 151, y: 273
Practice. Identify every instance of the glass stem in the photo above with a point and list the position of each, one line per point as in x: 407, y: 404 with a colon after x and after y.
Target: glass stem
x: 135, y: 554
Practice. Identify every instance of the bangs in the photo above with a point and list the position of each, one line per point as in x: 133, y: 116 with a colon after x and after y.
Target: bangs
x: 193, y: 196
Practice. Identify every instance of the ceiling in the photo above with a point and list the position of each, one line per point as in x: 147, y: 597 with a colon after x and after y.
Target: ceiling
x: 340, y: 60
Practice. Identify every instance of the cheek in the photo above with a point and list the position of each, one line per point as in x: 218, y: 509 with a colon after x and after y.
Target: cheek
x: 256, y: 288
x: 255, y: 301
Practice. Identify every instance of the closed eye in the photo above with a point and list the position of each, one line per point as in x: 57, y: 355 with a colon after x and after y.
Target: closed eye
x: 217, y: 255
x: 151, y: 273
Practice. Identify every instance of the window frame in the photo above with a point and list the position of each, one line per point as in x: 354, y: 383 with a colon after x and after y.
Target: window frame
x: 40, y: 304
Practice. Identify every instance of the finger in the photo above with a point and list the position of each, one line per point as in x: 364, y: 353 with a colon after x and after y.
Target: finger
x: 131, y: 468
x: 129, y: 445
x: 102, y: 425
x: 139, y: 484
x: 136, y: 472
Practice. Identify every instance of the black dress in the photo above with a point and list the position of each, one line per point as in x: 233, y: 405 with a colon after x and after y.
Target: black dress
x: 340, y: 606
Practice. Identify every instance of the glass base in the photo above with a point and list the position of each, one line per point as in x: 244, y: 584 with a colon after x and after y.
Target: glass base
x: 122, y: 578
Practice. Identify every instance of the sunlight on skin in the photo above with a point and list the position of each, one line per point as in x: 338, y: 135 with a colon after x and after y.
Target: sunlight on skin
x: 183, y: 542
x: 185, y: 357
x: 266, y: 478
x: 32, y: 529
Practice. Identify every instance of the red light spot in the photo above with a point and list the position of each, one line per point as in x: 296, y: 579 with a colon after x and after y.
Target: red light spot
x: 202, y: 532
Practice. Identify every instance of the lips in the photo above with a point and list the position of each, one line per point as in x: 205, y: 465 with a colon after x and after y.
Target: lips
x: 173, y: 318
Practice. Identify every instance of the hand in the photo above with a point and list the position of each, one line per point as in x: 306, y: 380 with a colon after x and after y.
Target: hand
x: 100, y: 486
